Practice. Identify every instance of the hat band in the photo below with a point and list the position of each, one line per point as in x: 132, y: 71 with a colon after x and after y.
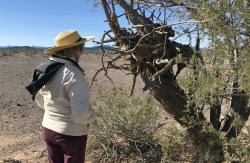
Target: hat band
x: 79, y: 40
x: 70, y: 43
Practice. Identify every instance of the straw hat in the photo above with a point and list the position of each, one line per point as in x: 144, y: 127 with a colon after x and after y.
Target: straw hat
x: 67, y: 39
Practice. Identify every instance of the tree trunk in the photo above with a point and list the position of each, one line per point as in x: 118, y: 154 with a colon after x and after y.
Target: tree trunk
x: 148, y: 45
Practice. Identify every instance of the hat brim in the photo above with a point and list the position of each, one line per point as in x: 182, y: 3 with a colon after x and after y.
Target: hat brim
x: 58, y: 48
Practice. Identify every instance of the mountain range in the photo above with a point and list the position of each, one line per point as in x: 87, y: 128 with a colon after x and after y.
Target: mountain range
x: 22, y: 48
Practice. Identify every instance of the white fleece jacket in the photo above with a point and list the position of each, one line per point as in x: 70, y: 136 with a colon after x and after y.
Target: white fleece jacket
x: 66, y: 101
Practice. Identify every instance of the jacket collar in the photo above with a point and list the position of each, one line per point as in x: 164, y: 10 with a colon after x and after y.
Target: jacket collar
x: 66, y: 60
x: 61, y: 60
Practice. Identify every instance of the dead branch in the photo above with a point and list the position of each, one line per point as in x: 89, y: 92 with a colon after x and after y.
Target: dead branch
x: 165, y: 69
x: 134, y: 17
x: 133, y: 85
x: 94, y: 77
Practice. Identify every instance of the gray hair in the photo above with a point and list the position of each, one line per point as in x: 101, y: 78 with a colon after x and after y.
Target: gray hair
x: 68, y: 52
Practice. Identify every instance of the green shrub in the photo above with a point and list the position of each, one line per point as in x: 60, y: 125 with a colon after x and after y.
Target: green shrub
x: 176, y: 146
x: 238, y: 150
x: 130, y: 129
x: 5, y: 52
x: 125, y: 129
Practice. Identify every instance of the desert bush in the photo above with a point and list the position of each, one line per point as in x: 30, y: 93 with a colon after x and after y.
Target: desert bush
x: 176, y: 146
x: 125, y: 129
x: 131, y: 128
x: 5, y: 52
x: 238, y: 150
x: 28, y: 52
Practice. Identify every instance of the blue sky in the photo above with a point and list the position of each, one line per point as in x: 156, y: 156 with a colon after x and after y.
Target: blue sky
x: 37, y: 22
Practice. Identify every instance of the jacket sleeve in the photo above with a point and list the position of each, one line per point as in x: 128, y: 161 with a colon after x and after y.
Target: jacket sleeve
x: 78, y: 93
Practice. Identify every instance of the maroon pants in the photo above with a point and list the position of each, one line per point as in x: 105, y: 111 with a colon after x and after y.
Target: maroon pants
x: 64, y: 148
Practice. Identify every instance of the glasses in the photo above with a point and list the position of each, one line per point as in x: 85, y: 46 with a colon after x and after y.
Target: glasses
x: 81, y: 48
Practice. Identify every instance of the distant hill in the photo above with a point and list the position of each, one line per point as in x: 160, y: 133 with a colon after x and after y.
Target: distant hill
x: 24, y: 48
x: 39, y: 49
x: 108, y: 47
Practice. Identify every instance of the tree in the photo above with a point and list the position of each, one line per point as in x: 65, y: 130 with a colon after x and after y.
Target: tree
x: 219, y: 80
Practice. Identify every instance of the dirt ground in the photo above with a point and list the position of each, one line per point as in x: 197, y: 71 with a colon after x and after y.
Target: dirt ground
x: 20, y: 118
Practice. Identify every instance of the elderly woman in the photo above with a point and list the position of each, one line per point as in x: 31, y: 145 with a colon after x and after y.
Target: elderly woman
x: 60, y: 88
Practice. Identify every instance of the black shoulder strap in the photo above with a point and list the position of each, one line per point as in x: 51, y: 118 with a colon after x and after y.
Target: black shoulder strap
x: 41, y: 75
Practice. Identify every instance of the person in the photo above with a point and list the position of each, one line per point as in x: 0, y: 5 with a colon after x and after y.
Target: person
x: 60, y: 88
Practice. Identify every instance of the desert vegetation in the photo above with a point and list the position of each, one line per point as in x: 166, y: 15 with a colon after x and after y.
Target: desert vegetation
x: 212, y: 99
x: 135, y: 129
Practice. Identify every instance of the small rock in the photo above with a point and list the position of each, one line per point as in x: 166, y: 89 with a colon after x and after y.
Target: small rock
x: 19, y: 104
